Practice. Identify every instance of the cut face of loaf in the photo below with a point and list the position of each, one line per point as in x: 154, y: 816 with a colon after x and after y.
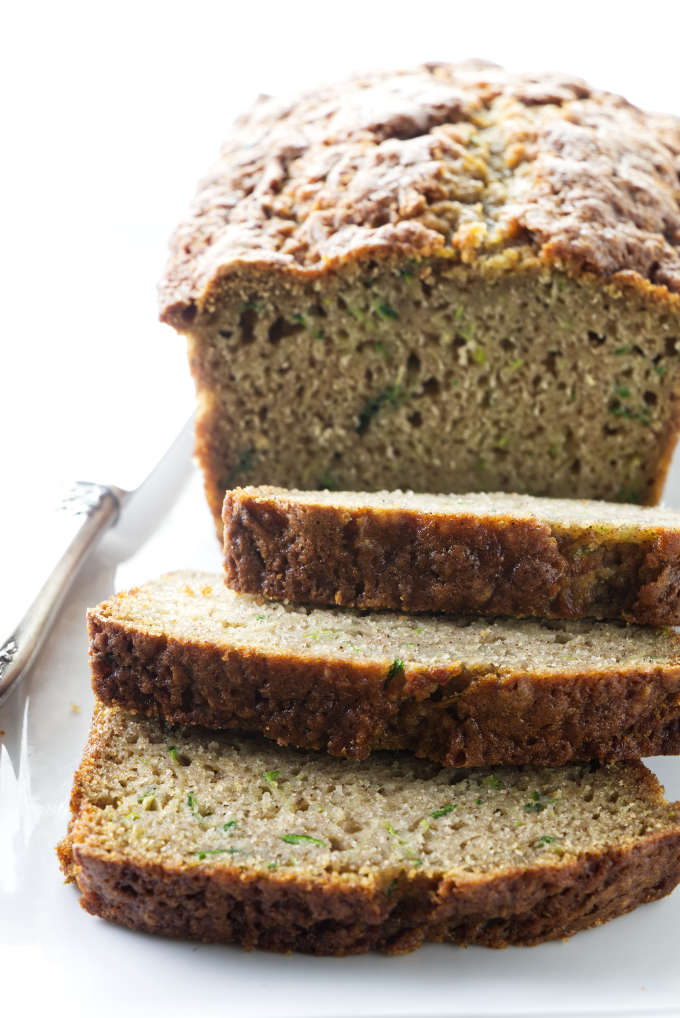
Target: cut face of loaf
x: 437, y: 279
x: 548, y: 386
x: 490, y: 554
x: 461, y: 691
x: 219, y: 838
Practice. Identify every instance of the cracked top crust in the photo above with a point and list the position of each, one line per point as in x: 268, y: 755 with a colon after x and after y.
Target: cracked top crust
x: 464, y: 161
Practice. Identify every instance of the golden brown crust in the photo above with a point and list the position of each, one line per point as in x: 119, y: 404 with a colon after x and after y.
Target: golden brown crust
x: 291, y: 912
x: 523, y: 908
x: 451, y: 715
x: 466, y: 162
x: 404, y: 560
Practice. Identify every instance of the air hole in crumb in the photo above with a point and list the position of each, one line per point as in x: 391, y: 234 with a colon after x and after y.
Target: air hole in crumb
x: 431, y: 387
x: 576, y: 466
x: 551, y: 362
x: 246, y: 324
x: 415, y: 419
x: 595, y: 339
x: 457, y: 778
x: 413, y: 363
x: 281, y: 328
x: 670, y: 343
x: 651, y: 398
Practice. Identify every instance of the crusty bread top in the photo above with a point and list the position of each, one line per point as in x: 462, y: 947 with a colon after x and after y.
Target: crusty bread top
x: 619, y: 521
x: 184, y: 798
x: 465, y: 161
x: 197, y: 608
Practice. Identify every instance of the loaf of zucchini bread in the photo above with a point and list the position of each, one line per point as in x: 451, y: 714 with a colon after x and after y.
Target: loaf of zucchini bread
x: 450, y: 279
x: 216, y: 837
x: 464, y: 692
x: 490, y: 554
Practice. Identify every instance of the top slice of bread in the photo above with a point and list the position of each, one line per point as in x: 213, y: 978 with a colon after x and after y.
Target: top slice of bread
x: 196, y: 834
x: 491, y: 554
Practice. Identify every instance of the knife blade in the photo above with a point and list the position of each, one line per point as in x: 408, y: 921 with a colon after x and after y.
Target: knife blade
x: 82, y: 513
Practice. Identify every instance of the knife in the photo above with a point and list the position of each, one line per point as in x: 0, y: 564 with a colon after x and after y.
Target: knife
x: 81, y: 516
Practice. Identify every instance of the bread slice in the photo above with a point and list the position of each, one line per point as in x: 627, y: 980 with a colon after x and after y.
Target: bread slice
x: 465, y: 692
x: 491, y: 554
x: 220, y: 838
x: 448, y: 278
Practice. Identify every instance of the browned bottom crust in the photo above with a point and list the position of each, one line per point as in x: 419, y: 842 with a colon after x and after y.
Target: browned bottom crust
x: 288, y: 914
x: 347, y: 709
x: 407, y: 561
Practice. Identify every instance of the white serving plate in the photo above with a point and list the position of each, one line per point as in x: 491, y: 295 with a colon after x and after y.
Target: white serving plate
x: 60, y: 957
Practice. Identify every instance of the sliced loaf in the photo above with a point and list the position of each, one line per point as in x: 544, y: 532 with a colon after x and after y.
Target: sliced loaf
x: 462, y: 691
x: 490, y: 554
x: 221, y: 838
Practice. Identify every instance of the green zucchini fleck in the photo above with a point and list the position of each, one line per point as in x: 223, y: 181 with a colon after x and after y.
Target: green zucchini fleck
x: 396, y: 668
x: 389, y: 396
x: 216, y: 851
x: 300, y: 839
x: 242, y: 466
x: 328, y: 482
x: 270, y: 778
x: 437, y: 813
x: 406, y: 850
x: 538, y: 803
x: 192, y: 802
x: 386, y: 310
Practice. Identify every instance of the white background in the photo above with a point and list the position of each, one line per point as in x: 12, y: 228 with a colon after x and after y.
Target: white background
x: 110, y: 114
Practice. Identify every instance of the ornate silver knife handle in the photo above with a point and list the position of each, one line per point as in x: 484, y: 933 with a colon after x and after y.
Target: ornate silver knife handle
x: 82, y: 516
